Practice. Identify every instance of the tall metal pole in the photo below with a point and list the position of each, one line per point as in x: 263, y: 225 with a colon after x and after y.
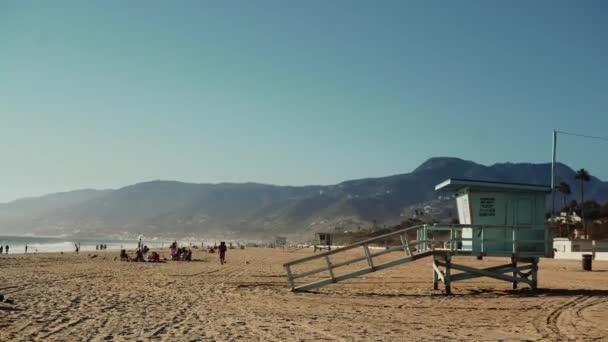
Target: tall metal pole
x: 553, y: 176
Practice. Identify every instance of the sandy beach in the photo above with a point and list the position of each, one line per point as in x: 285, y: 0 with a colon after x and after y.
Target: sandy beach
x: 73, y: 297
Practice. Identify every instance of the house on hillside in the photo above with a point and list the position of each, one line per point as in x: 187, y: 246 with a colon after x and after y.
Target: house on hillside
x: 565, y: 217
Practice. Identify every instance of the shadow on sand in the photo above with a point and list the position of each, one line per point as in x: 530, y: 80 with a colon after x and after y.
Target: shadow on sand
x: 480, y: 292
x: 558, y: 293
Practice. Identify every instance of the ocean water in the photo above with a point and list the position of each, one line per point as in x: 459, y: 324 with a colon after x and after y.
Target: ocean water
x: 59, y: 244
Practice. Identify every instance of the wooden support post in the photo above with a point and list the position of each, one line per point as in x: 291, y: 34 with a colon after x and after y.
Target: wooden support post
x: 492, y: 274
x: 370, y: 262
x: 435, y: 275
x: 534, y: 284
x: 330, y: 268
x: 452, y: 238
x: 514, y: 265
x: 406, y: 244
x: 482, y: 251
x: 290, y: 277
x: 514, y: 238
x: 448, y: 274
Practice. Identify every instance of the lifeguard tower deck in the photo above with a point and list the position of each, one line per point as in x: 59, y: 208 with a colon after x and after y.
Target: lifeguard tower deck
x: 496, y: 219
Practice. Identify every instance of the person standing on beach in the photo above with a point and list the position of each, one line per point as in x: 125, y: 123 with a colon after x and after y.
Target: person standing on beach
x: 222, y: 250
x: 1, y: 249
x: 6, y: 249
x: 26, y: 248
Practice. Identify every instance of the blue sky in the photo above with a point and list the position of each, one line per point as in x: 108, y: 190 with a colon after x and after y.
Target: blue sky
x: 103, y: 94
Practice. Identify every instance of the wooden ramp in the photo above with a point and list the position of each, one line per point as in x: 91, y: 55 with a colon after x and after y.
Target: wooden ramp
x: 411, y: 250
x: 441, y: 241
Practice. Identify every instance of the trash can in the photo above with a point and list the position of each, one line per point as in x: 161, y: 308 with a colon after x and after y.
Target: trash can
x: 587, y: 259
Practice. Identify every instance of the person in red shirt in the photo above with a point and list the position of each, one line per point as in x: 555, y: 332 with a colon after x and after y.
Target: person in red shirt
x: 222, y: 249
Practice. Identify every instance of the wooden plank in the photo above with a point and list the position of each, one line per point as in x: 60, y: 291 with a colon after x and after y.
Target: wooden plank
x: 360, y: 272
x: 324, y: 282
x: 406, y: 244
x: 494, y: 275
x: 348, y: 262
x: 329, y: 268
x: 500, y: 268
x: 344, y: 263
x: 520, y: 256
x: 290, y: 277
x: 438, y: 272
x: 534, y: 281
x: 308, y: 273
x: 466, y: 276
x: 452, y: 238
x: 435, y: 276
x: 515, y: 272
x: 370, y: 262
x: 386, y: 251
x: 354, y: 245
x: 448, y: 276
x: 314, y: 285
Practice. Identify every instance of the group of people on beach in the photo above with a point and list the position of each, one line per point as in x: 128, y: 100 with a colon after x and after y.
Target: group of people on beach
x: 5, y: 249
x: 141, y: 254
x: 176, y: 253
x: 101, y: 247
x: 180, y: 253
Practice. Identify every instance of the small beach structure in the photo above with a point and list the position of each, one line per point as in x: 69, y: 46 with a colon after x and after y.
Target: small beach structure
x: 574, y: 249
x: 323, y: 240
x: 280, y: 241
x: 495, y: 219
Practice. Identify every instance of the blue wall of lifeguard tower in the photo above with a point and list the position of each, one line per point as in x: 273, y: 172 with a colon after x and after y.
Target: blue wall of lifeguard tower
x: 526, y: 210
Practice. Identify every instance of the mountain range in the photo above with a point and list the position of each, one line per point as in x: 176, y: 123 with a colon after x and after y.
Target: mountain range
x: 169, y: 208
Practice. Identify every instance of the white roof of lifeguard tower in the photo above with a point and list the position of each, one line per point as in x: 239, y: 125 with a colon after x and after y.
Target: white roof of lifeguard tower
x: 454, y: 184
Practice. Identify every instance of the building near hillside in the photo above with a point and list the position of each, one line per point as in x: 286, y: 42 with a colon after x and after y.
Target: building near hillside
x: 574, y: 249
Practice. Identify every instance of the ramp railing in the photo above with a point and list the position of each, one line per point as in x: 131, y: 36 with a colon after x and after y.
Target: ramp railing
x: 494, y: 240
x: 409, y: 248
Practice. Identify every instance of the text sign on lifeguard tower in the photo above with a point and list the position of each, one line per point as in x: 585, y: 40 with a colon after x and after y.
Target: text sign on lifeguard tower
x: 519, y: 208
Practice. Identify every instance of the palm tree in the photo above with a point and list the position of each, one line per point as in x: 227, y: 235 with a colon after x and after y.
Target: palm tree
x: 583, y: 176
x: 564, y: 188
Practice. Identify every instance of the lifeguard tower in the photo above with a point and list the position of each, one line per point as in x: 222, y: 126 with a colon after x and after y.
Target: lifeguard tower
x: 323, y: 241
x: 280, y: 241
x: 496, y: 219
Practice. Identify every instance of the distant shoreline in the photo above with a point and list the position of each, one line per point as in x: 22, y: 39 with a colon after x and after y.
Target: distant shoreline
x: 39, y: 245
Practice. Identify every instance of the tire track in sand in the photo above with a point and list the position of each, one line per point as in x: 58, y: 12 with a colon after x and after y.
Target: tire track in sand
x: 567, y: 323
x: 192, y: 315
